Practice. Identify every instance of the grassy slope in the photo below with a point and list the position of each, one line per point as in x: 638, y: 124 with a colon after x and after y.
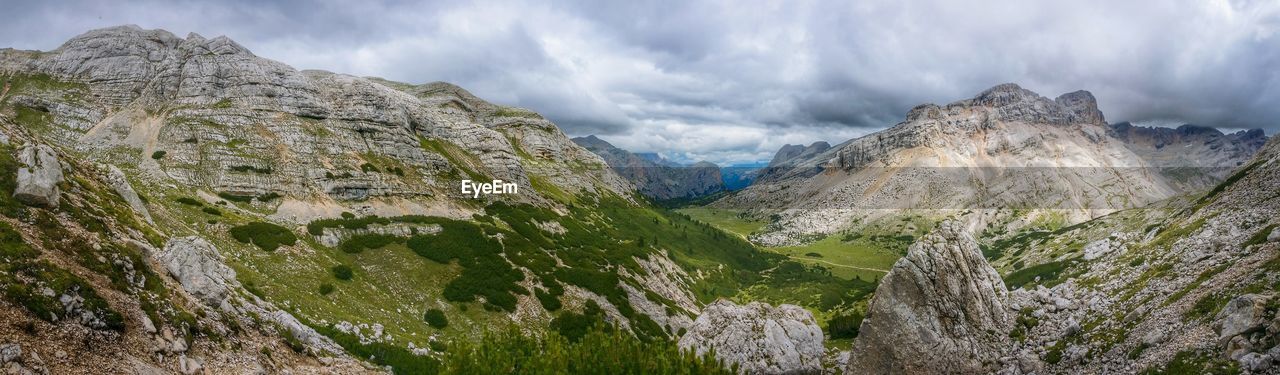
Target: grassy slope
x: 866, y: 252
x: 727, y: 220
x: 859, y: 259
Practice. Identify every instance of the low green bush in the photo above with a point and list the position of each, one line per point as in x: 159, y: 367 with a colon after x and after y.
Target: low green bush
x: 266, y: 236
x: 599, y: 350
x: 250, y: 168
x: 235, y: 197
x: 157, y: 155
x: 845, y: 325
x: 361, y: 242
x: 435, y: 318
x: 342, y: 272
x: 189, y: 201
x: 326, y: 288
x: 1045, y: 271
x: 574, y: 326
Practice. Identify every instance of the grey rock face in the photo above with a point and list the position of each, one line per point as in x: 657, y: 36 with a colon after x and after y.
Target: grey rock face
x: 189, y: 365
x: 1255, y: 362
x: 1014, y: 103
x: 10, y: 352
x: 759, y: 338
x: 302, y: 332
x: 941, y: 309
x: 1243, y: 314
x: 1083, y: 105
x: 789, y: 152
x: 39, y: 176
x: 120, y: 183
x: 198, y: 266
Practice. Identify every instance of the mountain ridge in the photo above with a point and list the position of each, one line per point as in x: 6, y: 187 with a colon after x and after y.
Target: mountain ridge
x: 654, y: 176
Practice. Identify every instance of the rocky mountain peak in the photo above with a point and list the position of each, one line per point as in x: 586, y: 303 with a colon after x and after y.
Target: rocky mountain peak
x: 790, y: 152
x: 591, y: 142
x: 132, y: 39
x: 1083, y: 105
x: 126, y: 39
x: 940, y: 309
x: 1014, y: 103
x: 1005, y: 93
x: 1189, y: 145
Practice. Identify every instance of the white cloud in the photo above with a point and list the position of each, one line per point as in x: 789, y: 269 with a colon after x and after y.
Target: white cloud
x: 727, y: 81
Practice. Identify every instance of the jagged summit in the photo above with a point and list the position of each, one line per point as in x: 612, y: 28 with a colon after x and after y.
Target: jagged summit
x: 128, y: 39
x: 789, y: 152
x: 1014, y: 103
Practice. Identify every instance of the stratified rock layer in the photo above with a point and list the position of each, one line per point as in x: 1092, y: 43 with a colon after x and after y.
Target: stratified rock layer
x: 941, y: 309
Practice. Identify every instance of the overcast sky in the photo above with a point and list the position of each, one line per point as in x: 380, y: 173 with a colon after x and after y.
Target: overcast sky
x: 732, y: 81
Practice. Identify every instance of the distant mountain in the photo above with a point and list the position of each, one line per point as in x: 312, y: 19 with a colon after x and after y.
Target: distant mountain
x: 739, y: 176
x: 655, y: 176
x: 1057, y: 159
x: 1192, y: 155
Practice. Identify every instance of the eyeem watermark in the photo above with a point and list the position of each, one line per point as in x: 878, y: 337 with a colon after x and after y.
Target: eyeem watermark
x: 475, y: 189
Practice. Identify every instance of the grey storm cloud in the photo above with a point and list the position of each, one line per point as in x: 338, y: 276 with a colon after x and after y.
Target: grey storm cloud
x: 731, y: 81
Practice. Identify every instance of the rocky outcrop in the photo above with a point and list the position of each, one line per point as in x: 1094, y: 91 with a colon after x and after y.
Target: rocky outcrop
x: 39, y: 176
x: 13, y: 362
x: 198, y: 266
x: 1244, y: 314
x: 941, y: 309
x: 759, y: 338
x: 655, y: 177
x: 120, y: 183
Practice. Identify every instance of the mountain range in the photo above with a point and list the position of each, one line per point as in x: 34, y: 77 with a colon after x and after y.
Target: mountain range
x: 181, y: 205
x: 195, y: 207
x: 1006, y: 148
